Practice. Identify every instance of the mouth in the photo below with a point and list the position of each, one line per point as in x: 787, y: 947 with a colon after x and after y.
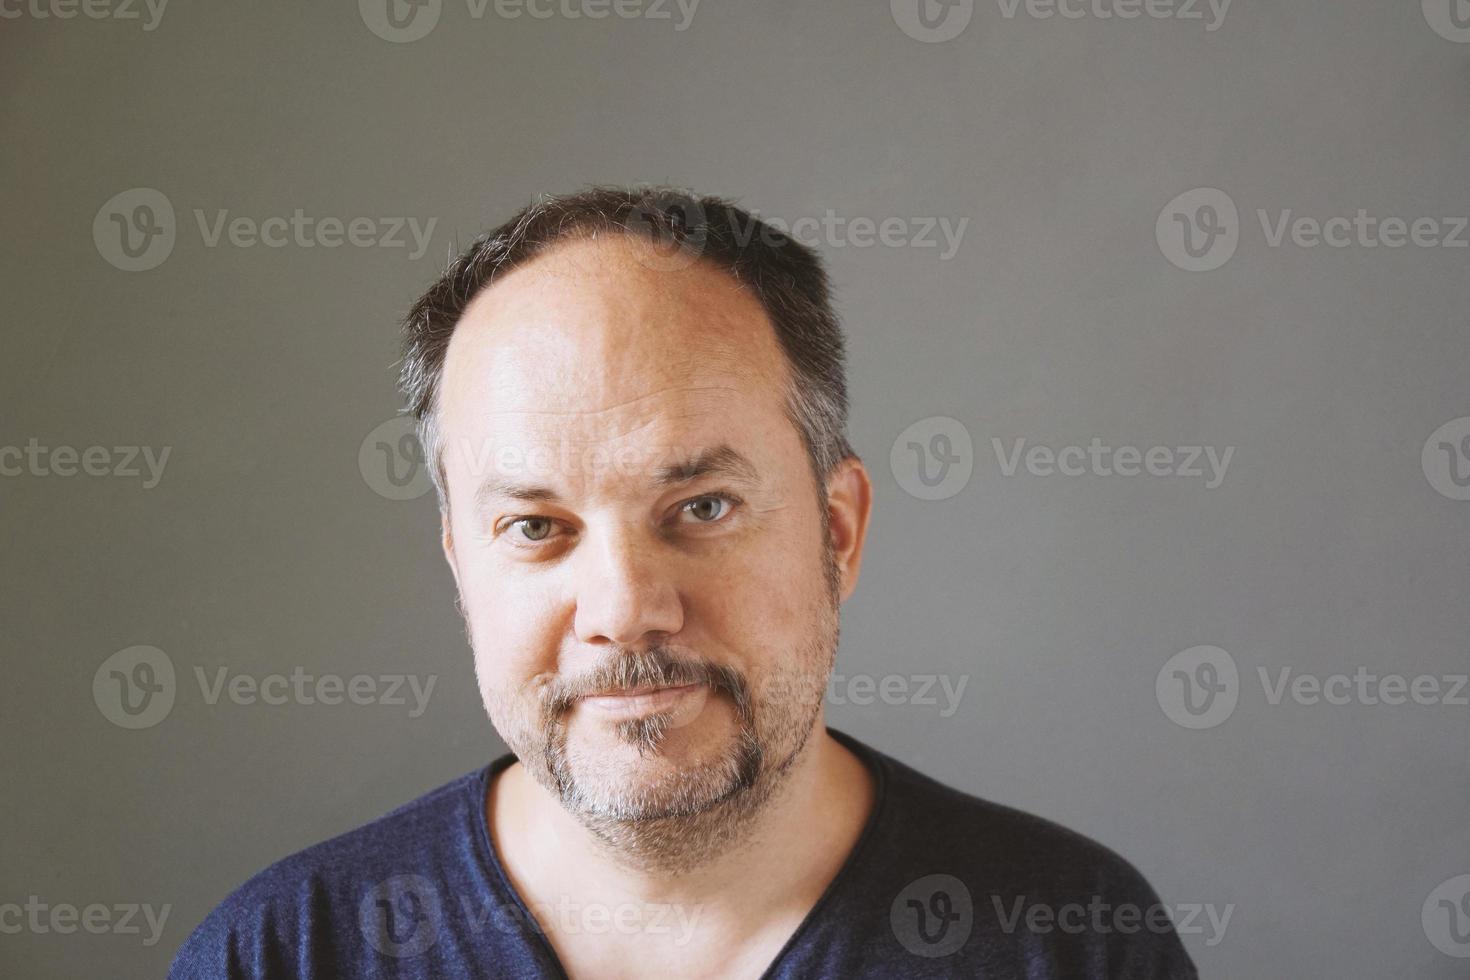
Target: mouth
x: 639, y: 701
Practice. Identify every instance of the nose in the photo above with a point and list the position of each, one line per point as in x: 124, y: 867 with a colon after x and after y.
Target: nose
x: 625, y: 591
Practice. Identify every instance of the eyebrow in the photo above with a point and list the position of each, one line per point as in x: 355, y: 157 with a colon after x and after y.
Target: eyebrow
x: 721, y: 460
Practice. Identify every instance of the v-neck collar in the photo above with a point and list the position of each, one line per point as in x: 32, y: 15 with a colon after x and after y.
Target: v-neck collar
x: 865, y: 843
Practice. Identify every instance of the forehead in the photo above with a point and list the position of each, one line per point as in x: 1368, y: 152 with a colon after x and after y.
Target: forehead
x: 591, y: 342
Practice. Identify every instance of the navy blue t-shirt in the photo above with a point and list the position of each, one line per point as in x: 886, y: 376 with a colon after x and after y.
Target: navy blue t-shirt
x: 940, y: 884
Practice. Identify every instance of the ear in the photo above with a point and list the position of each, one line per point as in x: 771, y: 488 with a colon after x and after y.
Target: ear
x: 446, y: 541
x: 849, y: 505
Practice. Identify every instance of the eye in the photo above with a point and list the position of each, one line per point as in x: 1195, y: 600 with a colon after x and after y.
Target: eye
x: 708, y: 509
x: 532, y: 528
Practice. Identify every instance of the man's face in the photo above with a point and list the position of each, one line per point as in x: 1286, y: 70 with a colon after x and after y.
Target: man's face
x: 636, y: 532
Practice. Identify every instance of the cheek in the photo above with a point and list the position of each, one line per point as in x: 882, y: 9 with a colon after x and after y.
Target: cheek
x: 514, y: 622
x: 767, y: 597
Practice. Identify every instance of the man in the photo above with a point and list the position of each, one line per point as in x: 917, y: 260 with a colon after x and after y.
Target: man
x: 634, y: 406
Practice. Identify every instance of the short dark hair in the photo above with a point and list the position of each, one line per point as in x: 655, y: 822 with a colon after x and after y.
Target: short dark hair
x: 785, y: 275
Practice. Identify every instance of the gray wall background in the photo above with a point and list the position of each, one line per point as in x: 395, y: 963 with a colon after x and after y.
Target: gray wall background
x: 265, y: 547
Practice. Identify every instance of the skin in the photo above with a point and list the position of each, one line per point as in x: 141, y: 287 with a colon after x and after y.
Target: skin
x: 612, y: 368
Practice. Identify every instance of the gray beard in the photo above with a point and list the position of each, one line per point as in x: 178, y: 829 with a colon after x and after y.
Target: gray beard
x: 710, y: 813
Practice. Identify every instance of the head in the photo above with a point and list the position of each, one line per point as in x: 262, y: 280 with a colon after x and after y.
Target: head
x: 634, y: 408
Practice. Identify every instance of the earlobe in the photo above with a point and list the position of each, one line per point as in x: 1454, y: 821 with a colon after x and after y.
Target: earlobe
x: 849, y: 506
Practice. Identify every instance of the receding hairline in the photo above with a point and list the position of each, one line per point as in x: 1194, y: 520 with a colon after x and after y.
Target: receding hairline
x: 736, y: 347
x: 540, y: 263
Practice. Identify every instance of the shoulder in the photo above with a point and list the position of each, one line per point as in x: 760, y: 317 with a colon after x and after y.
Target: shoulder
x: 997, y: 843
x: 282, y: 917
x: 965, y: 883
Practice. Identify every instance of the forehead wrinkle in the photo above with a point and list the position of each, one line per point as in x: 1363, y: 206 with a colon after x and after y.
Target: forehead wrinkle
x: 630, y: 402
x: 720, y: 460
x: 612, y: 388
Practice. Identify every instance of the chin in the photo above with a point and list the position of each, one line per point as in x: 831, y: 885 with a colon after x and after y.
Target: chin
x: 687, y: 769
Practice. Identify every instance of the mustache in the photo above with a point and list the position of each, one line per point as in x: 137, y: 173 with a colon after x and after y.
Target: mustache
x: 632, y: 670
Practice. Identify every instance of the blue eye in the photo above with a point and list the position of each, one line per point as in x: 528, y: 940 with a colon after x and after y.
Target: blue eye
x: 534, y: 528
